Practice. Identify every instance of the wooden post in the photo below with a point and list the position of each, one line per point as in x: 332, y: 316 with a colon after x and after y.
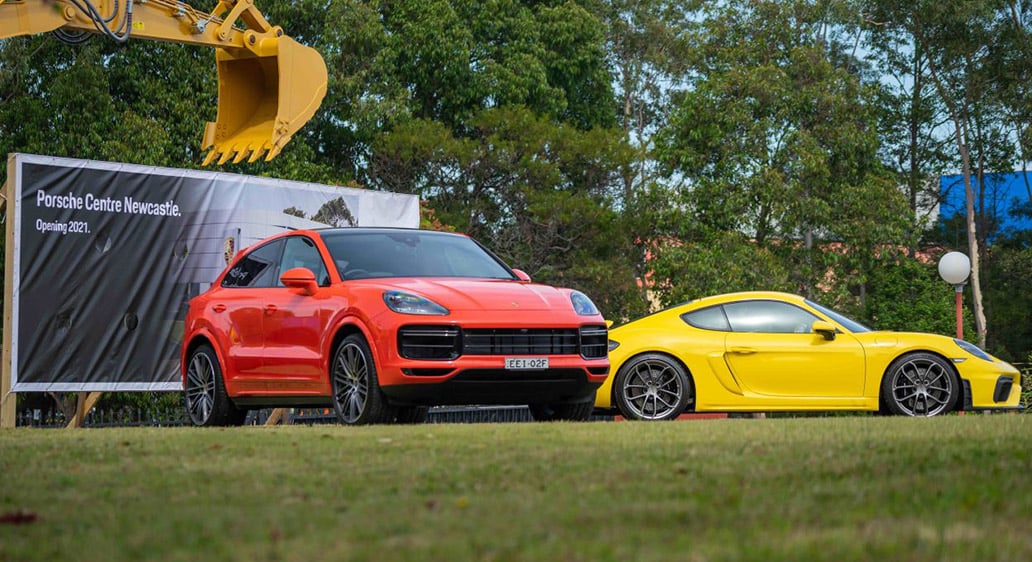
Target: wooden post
x: 83, y: 404
x: 8, y: 401
x: 276, y: 416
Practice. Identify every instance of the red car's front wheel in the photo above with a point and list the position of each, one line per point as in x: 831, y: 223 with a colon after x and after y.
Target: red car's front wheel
x: 357, y: 397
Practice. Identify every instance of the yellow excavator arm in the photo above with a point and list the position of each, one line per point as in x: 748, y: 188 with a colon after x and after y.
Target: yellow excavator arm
x: 269, y: 84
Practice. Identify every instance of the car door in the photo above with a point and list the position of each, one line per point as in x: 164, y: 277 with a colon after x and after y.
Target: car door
x: 773, y: 351
x: 240, y: 305
x: 295, y: 323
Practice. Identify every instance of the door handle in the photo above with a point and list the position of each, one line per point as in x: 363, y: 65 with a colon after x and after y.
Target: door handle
x: 218, y: 307
x: 270, y: 309
x: 741, y: 350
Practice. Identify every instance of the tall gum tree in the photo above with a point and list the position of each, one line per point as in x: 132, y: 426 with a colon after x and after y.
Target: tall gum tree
x: 777, y: 138
x: 957, y: 39
x: 648, y: 50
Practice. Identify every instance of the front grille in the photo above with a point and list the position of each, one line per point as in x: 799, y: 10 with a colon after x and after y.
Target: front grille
x: 520, y: 341
x: 429, y: 342
x: 449, y: 342
x: 594, y: 342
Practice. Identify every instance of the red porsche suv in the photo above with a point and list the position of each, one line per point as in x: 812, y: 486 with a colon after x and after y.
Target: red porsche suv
x: 383, y: 323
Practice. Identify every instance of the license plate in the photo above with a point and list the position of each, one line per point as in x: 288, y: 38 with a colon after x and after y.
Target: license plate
x: 526, y: 363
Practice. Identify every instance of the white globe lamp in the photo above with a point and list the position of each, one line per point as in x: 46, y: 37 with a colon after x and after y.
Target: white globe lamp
x: 954, y: 268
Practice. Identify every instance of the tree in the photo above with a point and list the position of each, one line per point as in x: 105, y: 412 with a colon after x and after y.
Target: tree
x: 1010, y: 62
x: 963, y: 44
x: 908, y: 295
x: 647, y: 50
x: 722, y: 262
x: 536, y: 192
x: 776, y: 139
x: 910, y: 122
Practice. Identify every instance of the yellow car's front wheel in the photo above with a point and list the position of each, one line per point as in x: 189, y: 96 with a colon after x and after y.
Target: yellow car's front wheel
x: 920, y: 384
x: 652, y: 387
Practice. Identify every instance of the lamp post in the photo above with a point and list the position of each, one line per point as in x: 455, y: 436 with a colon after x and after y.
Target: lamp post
x: 954, y: 268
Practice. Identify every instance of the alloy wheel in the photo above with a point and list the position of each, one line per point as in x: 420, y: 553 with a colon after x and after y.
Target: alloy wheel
x: 654, y: 390
x: 200, y: 388
x: 350, y: 381
x: 922, y: 387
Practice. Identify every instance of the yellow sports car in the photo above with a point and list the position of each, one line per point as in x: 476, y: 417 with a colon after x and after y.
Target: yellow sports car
x: 765, y: 351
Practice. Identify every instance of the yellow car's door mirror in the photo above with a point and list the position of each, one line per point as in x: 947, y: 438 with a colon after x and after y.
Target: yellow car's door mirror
x: 825, y: 329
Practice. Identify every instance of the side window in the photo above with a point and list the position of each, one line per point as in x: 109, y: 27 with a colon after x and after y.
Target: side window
x: 769, y: 317
x: 257, y: 268
x: 711, y: 318
x: 300, y: 251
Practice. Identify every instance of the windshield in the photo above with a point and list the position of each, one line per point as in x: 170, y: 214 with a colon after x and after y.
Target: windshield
x: 847, y: 322
x: 415, y: 253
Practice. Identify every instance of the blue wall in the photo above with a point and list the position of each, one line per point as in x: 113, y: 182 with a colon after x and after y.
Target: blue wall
x: 1003, y: 192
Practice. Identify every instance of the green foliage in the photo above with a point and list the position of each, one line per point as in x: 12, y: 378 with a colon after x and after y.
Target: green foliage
x: 1006, y: 275
x: 537, y: 192
x: 456, y: 58
x: 143, y: 102
x: 145, y: 401
x: 721, y: 263
x: 907, y: 295
x: 777, y: 139
x: 1026, y: 388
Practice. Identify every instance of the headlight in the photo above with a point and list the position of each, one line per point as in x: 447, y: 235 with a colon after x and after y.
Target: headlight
x: 582, y: 305
x: 613, y: 345
x: 973, y: 350
x: 407, y: 303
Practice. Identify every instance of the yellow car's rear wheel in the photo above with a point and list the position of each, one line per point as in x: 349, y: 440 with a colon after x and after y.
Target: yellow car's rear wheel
x: 920, y: 384
x: 652, y: 387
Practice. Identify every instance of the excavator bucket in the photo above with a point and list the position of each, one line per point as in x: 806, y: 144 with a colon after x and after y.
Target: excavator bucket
x: 263, y: 100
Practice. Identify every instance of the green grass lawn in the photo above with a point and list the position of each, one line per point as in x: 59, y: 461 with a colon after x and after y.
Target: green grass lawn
x: 838, y: 488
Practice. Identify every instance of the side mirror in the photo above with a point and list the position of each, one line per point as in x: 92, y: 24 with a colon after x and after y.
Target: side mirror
x: 522, y: 275
x: 825, y: 329
x: 300, y: 278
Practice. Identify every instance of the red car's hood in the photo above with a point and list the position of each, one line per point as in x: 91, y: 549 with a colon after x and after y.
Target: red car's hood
x: 483, y: 294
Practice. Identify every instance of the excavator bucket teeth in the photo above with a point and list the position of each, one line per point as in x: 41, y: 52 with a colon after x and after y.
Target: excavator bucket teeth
x: 263, y: 100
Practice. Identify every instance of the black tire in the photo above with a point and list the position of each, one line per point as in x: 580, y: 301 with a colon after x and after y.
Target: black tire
x: 920, y: 384
x: 204, y: 392
x: 563, y: 411
x: 357, y: 398
x: 413, y: 414
x: 652, y: 387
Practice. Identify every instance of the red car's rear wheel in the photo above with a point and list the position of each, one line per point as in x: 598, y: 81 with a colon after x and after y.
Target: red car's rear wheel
x: 205, y: 392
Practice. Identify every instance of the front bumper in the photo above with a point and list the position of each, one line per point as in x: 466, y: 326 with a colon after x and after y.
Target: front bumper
x: 483, y: 379
x: 992, y: 390
x: 500, y: 387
